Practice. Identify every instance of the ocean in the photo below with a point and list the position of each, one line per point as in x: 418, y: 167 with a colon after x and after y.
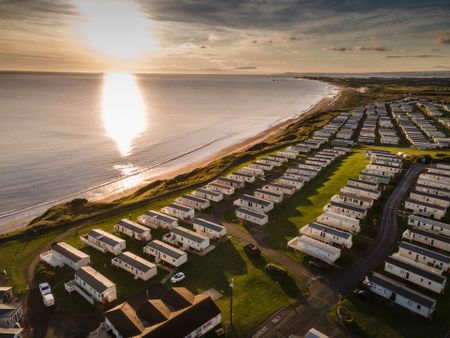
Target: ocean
x: 92, y: 135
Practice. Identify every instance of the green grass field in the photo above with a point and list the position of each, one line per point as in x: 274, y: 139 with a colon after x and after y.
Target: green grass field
x: 306, y: 205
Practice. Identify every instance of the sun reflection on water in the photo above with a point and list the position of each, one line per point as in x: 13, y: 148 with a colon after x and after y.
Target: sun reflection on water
x: 123, y: 110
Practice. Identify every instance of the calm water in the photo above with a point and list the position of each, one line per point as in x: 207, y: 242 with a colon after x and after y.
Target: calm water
x: 63, y: 135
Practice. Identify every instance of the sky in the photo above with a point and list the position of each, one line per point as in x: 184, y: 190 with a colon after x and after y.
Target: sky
x: 224, y: 36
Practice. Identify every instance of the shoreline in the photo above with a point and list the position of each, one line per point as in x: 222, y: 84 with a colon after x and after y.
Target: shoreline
x: 266, y: 135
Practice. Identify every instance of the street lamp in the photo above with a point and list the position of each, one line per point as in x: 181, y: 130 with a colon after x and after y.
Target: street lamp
x: 231, y: 301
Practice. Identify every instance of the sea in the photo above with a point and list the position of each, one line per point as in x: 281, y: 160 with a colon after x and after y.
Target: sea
x: 64, y: 136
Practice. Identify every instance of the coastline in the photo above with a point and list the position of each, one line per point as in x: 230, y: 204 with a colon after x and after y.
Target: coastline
x: 264, y: 136
x: 326, y: 103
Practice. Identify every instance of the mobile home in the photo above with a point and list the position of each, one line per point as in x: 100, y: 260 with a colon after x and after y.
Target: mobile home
x: 179, y: 211
x: 92, y: 285
x: 155, y: 220
x: 166, y: 253
x: 193, y: 202
x: 134, y: 230
x: 429, y: 225
x: 236, y: 184
x: 346, y: 209
x: 432, y: 239
x: 402, y: 295
x: 373, y: 194
x: 268, y: 196
x: 62, y: 254
x: 104, y: 241
x: 353, y: 199
x: 252, y: 216
x: 423, y: 255
x: 312, y: 247
x: 208, y: 194
x: 425, y: 209
x: 339, y: 221
x: 243, y: 177
x: 327, y: 234
x: 293, y: 182
x: 209, y: 228
x: 223, y: 189
x: 254, y: 203
x: 137, y: 266
x: 187, y: 239
x: 430, y: 198
x: 279, y: 188
x: 414, y: 274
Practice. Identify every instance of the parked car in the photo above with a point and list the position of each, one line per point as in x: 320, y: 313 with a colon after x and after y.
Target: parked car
x: 252, y: 250
x: 178, y: 277
x: 44, y: 289
x: 46, y: 293
x: 275, y: 269
x: 365, y: 295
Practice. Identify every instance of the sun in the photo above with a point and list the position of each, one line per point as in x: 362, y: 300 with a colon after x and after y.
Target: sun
x: 115, y: 28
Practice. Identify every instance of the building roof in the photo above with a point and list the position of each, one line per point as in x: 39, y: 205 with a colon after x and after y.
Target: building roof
x: 329, y: 230
x: 105, y: 237
x: 207, y: 191
x: 433, y: 196
x: 184, y: 322
x: 189, y: 234
x: 256, y: 200
x: 252, y: 213
x: 94, y: 278
x: 434, y: 206
x: 178, y: 207
x: 135, y: 261
x: 425, y: 252
x: 443, y: 189
x: 280, y: 186
x: 207, y: 224
x: 126, y: 223
x: 414, y: 269
x: 401, y: 289
x: 166, y: 249
x: 194, y: 198
x: 347, y: 206
x: 363, y: 182
x: 429, y: 221
x: 69, y: 251
x: 160, y: 216
x: 124, y: 319
x: 270, y: 193
x: 430, y: 235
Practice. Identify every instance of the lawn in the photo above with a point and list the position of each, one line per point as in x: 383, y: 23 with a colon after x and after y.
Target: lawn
x: 306, y: 205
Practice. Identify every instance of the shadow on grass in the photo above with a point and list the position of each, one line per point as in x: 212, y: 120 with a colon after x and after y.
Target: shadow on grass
x: 286, y: 283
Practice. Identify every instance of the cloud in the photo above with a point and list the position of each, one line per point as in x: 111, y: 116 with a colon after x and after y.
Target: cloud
x: 418, y: 56
x: 246, y: 68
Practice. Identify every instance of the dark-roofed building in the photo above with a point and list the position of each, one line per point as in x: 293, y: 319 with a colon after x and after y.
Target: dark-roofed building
x: 126, y: 322
x: 137, y: 266
x: 62, y: 254
x: 104, y: 241
x: 177, y: 314
x: 166, y: 253
x: 401, y: 295
x: 155, y: 219
x: 134, y: 230
x: 209, y: 228
x: 92, y: 286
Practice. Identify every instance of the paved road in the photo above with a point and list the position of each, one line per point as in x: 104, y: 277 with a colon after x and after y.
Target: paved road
x: 383, y: 242
x: 312, y: 311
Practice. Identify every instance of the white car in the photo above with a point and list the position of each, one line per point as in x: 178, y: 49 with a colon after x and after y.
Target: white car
x: 178, y: 277
x: 45, y: 289
x: 46, y: 293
